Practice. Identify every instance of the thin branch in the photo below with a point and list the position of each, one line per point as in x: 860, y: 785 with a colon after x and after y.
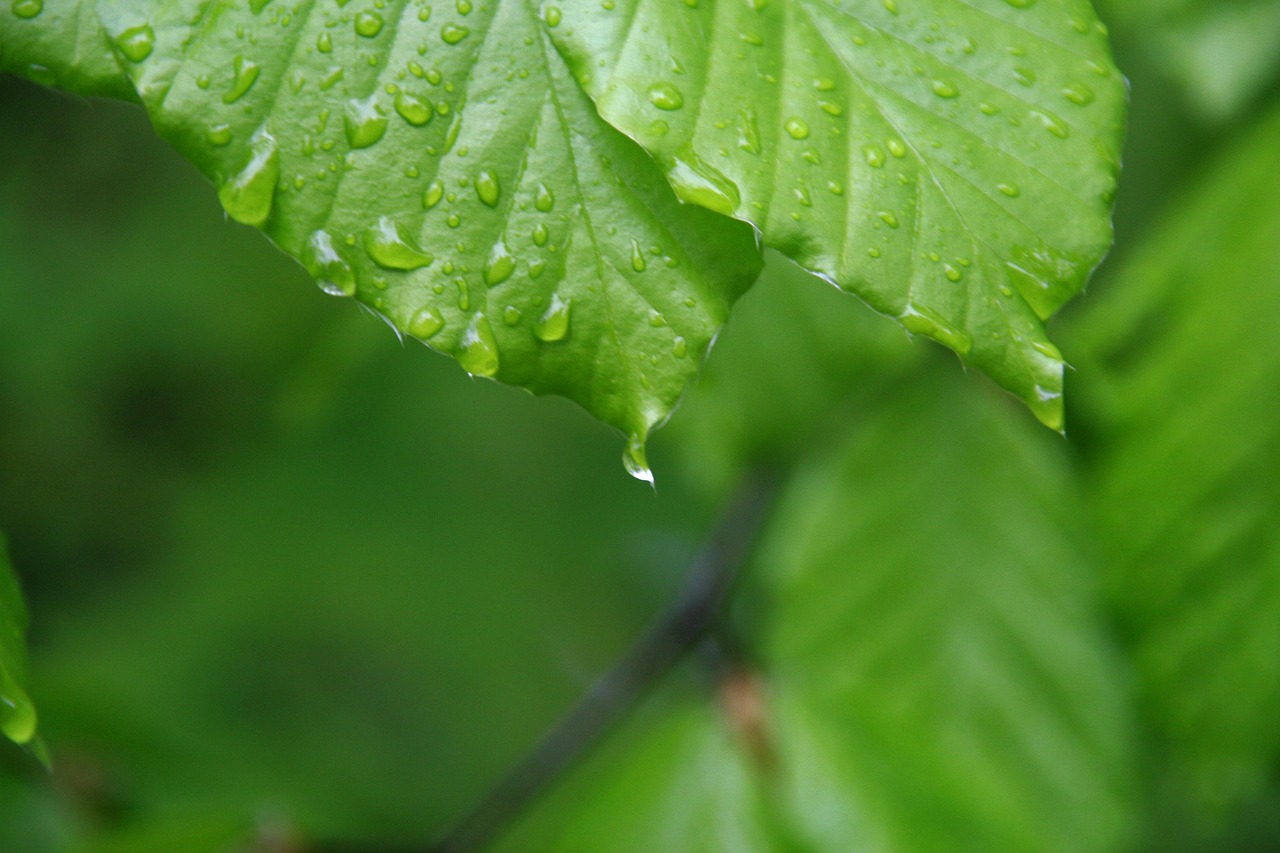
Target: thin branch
x: 689, y: 619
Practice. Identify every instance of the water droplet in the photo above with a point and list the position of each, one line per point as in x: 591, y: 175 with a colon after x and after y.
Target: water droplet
x: 391, y: 248
x: 478, y: 350
x: 452, y: 33
x: 922, y: 321
x: 244, y: 73
x: 463, y: 7
x: 1024, y: 75
x: 247, y: 196
x: 1020, y: 4
x: 797, y: 128
x: 553, y: 325
x: 425, y: 323
x: 656, y: 319
x: 324, y: 43
x: 835, y: 187
x: 368, y: 24
x: 637, y: 257
x: 136, y: 43
x: 321, y: 259
x: 1052, y: 123
x: 748, y: 132
x: 874, y: 155
x: 17, y: 713
x: 896, y: 148
x: 888, y: 218
x: 664, y: 96
x: 411, y: 109
x: 943, y: 89
x: 27, y: 8
x: 891, y: 6
x: 511, y: 315
x: 679, y: 348
x: 634, y: 459
x: 1011, y: 190
x: 824, y: 84
x: 544, y: 200
x: 952, y: 273
x: 432, y: 195
x: 1078, y: 94
x: 831, y: 108
x: 988, y: 109
x: 552, y: 16
x: 488, y: 190
x: 500, y: 266
x: 219, y: 134
x: 698, y: 182
x: 802, y: 196
x: 364, y: 121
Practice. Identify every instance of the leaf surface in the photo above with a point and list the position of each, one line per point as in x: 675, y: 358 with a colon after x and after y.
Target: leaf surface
x: 951, y: 163
x: 439, y: 164
x: 17, y: 713
x: 1184, y: 369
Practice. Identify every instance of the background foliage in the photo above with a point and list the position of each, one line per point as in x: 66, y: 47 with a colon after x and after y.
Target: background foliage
x: 291, y: 580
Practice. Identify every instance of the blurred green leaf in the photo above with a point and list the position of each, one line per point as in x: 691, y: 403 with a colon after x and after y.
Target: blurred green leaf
x: 17, y: 713
x: 1223, y: 53
x: 933, y: 637
x: 952, y: 163
x: 934, y: 676
x: 448, y: 173
x: 1181, y: 403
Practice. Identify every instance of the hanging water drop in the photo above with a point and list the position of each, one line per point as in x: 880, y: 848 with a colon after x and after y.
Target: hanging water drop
x: 634, y: 459
x: 322, y: 261
x: 478, y: 350
x: 247, y: 196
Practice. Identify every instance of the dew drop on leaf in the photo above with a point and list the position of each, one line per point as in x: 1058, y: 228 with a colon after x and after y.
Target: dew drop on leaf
x: 27, y: 8
x: 368, y: 24
x: 364, y: 121
x: 665, y: 96
x: 432, y: 195
x: 243, y: 75
x: 488, y: 190
x: 478, y: 350
x: 922, y: 321
x: 322, y: 261
x: 413, y: 110
x: 797, y: 128
x: 553, y: 325
x: 425, y: 322
x: 499, y: 267
x: 544, y: 200
x: 452, y: 33
x: 248, y: 195
x: 389, y: 247
x: 136, y: 43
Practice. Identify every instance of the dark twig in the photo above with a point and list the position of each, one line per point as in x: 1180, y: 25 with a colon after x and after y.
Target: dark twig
x: 689, y: 619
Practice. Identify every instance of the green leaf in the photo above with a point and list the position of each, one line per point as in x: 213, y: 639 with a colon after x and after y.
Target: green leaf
x: 671, y: 780
x: 1183, y: 375
x: 60, y: 43
x: 933, y: 672
x: 440, y: 165
x: 17, y: 713
x: 1222, y: 52
x: 951, y: 163
x: 934, y: 641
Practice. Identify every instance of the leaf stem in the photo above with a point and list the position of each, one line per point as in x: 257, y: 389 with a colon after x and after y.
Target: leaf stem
x: 690, y: 618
